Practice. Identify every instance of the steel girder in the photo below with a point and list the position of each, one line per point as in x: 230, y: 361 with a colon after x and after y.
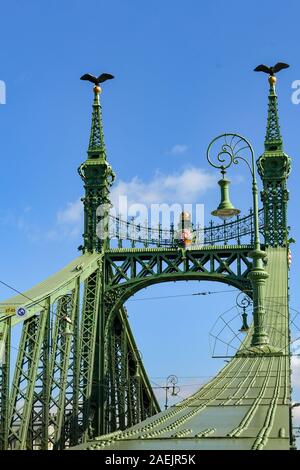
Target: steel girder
x: 58, y: 383
x: 61, y: 406
x: 128, y: 399
x: 60, y: 378
x: 229, y: 264
x: 127, y: 271
x: 22, y: 396
x: 87, y: 352
x: 5, y: 340
x: 68, y: 388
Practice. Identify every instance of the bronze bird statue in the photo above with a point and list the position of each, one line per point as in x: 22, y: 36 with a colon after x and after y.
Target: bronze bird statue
x: 96, y: 80
x: 271, y: 70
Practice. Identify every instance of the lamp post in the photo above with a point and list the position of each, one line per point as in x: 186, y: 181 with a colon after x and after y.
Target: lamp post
x: 171, y: 382
x: 233, y: 148
x: 243, y: 301
x: 64, y: 318
x: 134, y: 357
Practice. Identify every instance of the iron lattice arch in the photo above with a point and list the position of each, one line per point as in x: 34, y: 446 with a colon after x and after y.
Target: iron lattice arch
x: 79, y: 373
x: 61, y: 380
x: 128, y: 271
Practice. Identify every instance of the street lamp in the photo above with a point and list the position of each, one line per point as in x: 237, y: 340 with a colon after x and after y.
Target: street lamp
x: 134, y: 357
x: 243, y: 301
x: 66, y: 322
x: 233, y: 148
x: 225, y: 209
x: 171, y: 382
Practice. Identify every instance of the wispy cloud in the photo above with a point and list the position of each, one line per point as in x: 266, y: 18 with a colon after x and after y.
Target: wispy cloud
x: 22, y: 223
x: 72, y: 214
x: 178, y: 187
x: 183, y: 187
x: 178, y: 149
x: 68, y: 224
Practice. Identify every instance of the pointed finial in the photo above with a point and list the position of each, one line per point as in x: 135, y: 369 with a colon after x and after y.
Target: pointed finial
x: 272, y: 80
x: 96, y: 143
x: 98, y: 177
x: 97, y: 89
x: 273, y: 139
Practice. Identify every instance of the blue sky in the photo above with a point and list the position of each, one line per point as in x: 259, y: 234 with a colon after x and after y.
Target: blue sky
x: 183, y: 75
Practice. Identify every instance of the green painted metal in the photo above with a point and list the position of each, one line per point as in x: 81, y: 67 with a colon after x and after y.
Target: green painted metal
x: 22, y: 395
x: 79, y: 373
x: 59, y: 410
x: 97, y: 176
x: 63, y: 384
x: 87, y: 351
x: 126, y: 379
x: 235, y: 149
x: 274, y: 167
x: 225, y: 209
x: 71, y: 404
x: 5, y: 340
x: 37, y: 433
x: 213, y: 234
x: 246, y: 406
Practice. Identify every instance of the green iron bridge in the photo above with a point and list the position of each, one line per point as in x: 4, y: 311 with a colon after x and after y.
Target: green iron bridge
x: 78, y: 380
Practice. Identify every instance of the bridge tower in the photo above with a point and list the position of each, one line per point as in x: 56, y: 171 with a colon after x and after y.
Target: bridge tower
x: 97, y: 176
x: 274, y: 167
x: 79, y: 374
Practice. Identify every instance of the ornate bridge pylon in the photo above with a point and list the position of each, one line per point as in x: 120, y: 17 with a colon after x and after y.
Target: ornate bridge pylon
x: 78, y: 377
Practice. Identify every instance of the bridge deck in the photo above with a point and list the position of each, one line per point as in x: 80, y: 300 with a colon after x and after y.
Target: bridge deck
x: 246, y: 406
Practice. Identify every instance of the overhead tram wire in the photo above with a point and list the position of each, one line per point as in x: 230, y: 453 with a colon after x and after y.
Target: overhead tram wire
x: 182, y: 295
x: 28, y: 298
x: 185, y: 377
x: 198, y: 384
x: 16, y: 290
x: 134, y: 300
x: 25, y: 296
x: 51, y: 311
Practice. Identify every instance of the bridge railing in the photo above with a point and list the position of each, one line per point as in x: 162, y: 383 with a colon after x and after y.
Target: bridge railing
x: 241, y: 228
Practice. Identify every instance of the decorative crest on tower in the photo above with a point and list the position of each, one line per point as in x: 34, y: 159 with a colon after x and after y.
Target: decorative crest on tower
x: 274, y: 167
x: 97, y: 176
x: 273, y: 139
x: 96, y: 143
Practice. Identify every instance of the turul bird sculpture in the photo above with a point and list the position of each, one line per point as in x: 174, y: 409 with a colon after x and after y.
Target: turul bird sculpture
x: 96, y: 80
x: 271, y: 70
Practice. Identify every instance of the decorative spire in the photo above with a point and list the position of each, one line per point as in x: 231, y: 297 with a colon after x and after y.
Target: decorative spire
x: 97, y: 176
x: 96, y: 143
x: 273, y: 139
x: 274, y: 167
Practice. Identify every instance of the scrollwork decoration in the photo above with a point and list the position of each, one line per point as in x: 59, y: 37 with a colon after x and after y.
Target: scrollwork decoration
x: 230, y: 148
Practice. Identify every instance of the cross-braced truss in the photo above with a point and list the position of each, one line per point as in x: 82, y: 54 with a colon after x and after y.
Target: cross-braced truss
x: 78, y: 371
